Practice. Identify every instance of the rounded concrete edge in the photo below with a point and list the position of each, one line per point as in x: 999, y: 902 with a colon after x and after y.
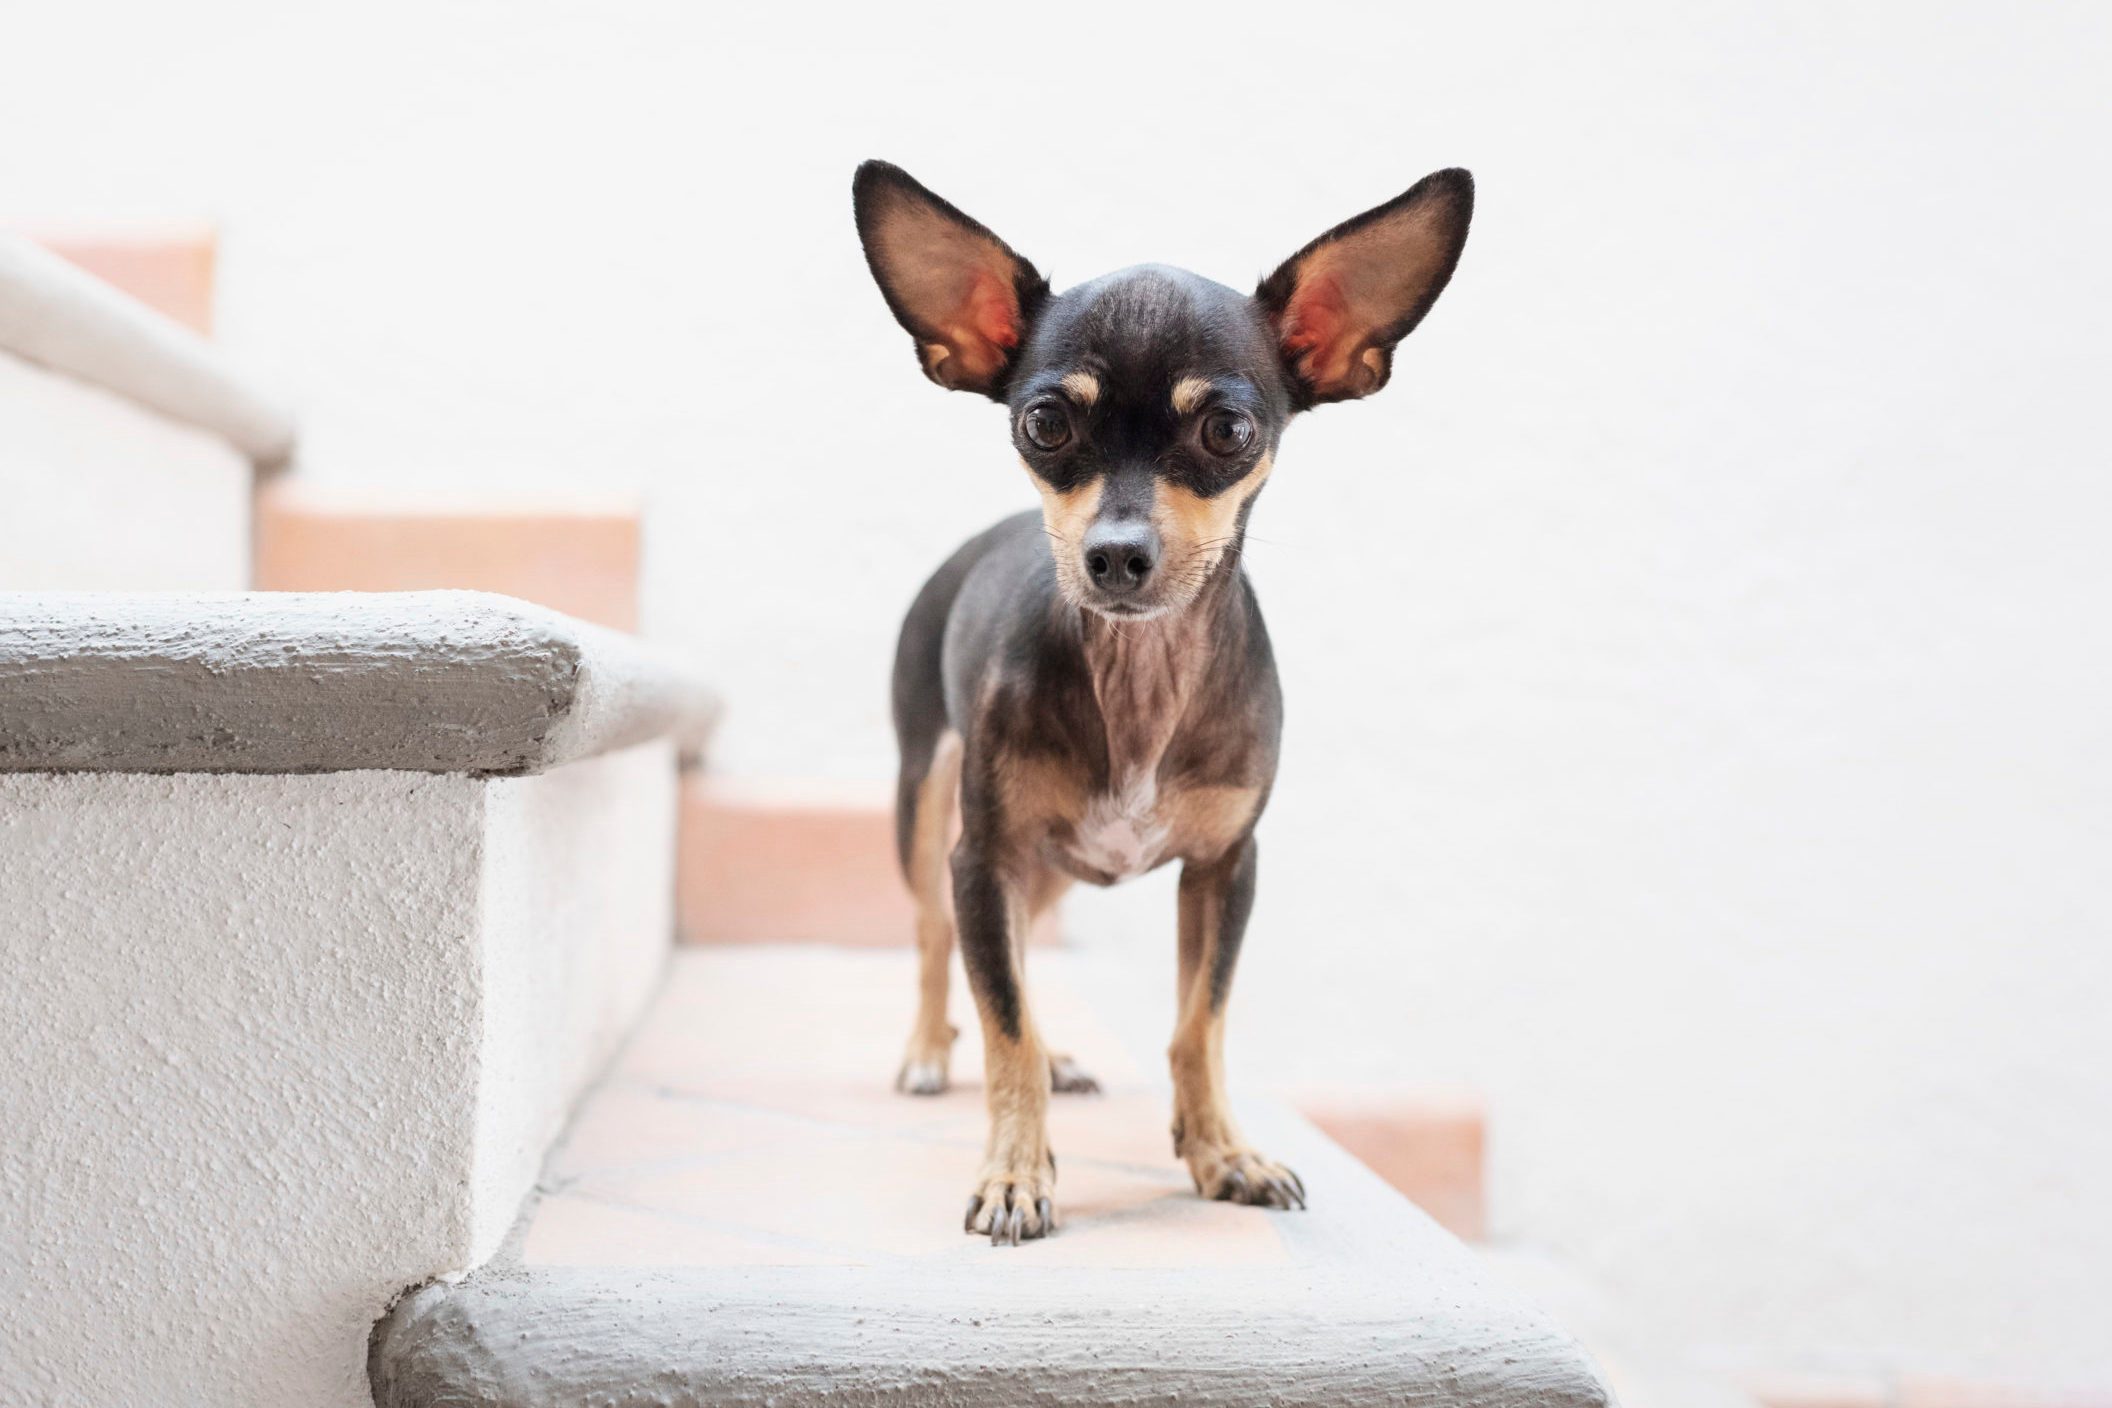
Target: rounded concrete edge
x: 65, y: 319
x: 302, y: 682
x: 888, y: 1335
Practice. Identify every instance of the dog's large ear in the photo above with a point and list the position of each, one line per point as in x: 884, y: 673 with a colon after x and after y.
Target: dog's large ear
x: 963, y: 294
x: 1340, y: 304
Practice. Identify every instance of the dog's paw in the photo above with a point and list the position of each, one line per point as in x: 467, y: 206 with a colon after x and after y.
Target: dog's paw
x: 1067, y: 1077
x: 1243, y: 1176
x: 924, y: 1064
x: 1012, y: 1207
x: 922, y: 1077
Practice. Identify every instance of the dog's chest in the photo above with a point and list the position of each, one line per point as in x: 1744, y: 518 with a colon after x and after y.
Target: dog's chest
x: 1123, y: 831
x: 1142, y: 681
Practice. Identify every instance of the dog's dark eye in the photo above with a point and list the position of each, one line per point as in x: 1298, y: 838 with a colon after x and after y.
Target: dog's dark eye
x: 1046, y: 426
x: 1227, y: 433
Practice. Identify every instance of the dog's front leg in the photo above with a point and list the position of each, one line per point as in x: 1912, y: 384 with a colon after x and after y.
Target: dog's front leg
x: 1014, y: 1193
x: 1216, y: 898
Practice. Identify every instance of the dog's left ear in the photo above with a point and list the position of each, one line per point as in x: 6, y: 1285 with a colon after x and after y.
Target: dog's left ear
x: 1340, y: 304
x: 963, y: 294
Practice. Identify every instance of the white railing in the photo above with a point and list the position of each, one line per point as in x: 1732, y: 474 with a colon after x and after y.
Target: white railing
x: 58, y: 317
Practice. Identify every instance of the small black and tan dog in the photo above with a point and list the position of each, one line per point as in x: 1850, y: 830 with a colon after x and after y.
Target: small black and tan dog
x: 1091, y: 685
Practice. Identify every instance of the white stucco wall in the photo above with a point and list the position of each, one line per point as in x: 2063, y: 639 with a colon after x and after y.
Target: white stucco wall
x: 279, y: 1047
x: 1694, y: 724
x: 103, y: 494
x: 243, y: 1028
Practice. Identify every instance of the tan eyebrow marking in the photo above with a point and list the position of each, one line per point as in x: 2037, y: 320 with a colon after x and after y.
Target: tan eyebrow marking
x: 1188, y: 393
x: 1083, y: 386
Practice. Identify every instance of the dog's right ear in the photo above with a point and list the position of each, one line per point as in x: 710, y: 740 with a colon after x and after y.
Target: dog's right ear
x: 963, y: 294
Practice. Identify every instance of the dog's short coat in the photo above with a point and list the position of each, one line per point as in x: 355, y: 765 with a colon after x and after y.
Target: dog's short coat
x: 1090, y: 686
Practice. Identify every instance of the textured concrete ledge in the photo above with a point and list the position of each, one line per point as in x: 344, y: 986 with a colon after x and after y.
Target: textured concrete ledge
x: 58, y: 316
x: 790, y: 1338
x: 284, y: 682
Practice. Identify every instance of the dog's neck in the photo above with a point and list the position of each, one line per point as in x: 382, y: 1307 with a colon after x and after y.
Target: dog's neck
x: 1144, y: 674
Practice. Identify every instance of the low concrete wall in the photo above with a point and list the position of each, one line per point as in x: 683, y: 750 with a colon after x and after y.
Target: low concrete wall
x: 279, y: 1047
x: 315, y: 915
x: 245, y: 1038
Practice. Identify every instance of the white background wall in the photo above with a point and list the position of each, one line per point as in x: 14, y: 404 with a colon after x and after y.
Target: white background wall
x: 1695, y: 658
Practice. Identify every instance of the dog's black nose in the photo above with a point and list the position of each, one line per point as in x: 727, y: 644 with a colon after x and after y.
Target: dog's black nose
x: 1120, y: 554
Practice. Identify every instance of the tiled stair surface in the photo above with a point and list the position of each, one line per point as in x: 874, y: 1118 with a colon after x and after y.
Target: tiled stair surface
x: 745, y: 1211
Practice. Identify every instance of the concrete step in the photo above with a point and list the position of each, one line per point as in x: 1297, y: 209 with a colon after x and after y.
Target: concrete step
x: 746, y: 1212
x: 778, y: 860
x: 577, y: 556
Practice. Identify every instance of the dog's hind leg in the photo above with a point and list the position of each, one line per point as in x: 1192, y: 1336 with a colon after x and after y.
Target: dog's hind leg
x: 928, y: 804
x: 1045, y: 887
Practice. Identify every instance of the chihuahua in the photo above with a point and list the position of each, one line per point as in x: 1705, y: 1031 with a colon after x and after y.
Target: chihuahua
x: 1088, y: 689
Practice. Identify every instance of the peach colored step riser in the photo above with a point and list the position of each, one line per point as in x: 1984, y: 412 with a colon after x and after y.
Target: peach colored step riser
x: 1432, y: 1151
x: 758, y: 870
x: 170, y: 269
x: 585, y: 564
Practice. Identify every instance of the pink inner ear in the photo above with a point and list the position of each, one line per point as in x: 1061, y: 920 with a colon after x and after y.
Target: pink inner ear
x: 991, y: 311
x: 1315, y: 321
x: 985, y: 328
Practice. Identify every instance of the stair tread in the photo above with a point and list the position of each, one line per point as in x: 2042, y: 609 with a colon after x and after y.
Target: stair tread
x: 746, y: 1209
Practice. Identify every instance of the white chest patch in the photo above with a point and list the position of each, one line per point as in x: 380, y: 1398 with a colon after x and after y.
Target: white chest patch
x: 1121, y: 833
